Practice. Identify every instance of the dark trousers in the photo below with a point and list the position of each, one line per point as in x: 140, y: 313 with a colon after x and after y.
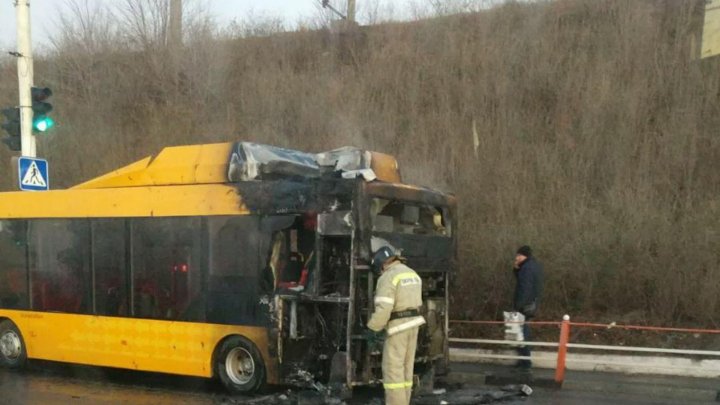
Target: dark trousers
x: 525, y: 350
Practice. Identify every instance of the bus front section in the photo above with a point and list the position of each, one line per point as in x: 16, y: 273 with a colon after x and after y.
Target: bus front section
x: 322, y: 308
x: 322, y: 217
x: 418, y: 224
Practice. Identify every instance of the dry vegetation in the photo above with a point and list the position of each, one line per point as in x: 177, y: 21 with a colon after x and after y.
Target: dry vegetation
x: 597, y: 133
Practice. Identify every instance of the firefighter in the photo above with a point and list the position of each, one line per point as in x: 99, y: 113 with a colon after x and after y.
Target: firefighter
x: 398, y: 298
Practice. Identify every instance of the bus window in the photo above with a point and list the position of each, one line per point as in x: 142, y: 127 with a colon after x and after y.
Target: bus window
x: 292, y: 254
x: 13, y: 265
x: 399, y: 217
x: 108, y: 253
x: 233, y: 296
x: 279, y: 259
x: 287, y: 250
x: 167, y: 268
x: 59, y: 265
x: 273, y: 247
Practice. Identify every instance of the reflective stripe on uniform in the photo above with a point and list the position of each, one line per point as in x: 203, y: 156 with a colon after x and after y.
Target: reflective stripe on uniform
x: 405, y: 276
x: 407, y: 325
x: 384, y: 300
x: 397, y: 386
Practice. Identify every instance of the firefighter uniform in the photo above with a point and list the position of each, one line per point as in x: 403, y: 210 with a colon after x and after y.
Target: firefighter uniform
x: 398, y: 298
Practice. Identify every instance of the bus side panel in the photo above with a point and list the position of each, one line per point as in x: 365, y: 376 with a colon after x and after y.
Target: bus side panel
x: 182, y: 348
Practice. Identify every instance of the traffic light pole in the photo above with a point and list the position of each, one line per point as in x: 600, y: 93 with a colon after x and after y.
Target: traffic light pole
x: 25, y: 77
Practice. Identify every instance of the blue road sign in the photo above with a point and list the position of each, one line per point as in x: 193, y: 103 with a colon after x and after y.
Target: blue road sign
x: 33, y: 174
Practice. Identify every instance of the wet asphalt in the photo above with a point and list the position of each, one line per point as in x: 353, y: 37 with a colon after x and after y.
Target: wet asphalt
x: 52, y: 383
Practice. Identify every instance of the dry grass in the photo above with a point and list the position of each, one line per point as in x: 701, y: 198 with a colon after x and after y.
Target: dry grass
x: 597, y: 133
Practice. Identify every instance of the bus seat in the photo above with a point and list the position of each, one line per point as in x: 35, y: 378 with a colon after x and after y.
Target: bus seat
x: 292, y: 270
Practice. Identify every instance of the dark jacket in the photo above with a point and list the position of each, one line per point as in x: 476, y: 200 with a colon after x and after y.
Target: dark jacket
x: 528, y: 286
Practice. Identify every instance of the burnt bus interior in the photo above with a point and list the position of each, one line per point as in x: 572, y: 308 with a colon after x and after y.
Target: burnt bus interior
x: 321, y: 308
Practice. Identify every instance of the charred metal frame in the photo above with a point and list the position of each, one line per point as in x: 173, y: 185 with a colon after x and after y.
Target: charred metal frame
x: 343, y: 209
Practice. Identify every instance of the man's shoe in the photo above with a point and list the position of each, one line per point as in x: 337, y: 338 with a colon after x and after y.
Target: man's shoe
x: 522, y: 374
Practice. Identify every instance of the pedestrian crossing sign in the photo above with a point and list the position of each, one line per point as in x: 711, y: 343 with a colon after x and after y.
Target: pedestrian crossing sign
x: 33, y: 174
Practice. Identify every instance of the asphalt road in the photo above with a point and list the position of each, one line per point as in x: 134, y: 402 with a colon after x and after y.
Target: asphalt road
x: 51, y: 383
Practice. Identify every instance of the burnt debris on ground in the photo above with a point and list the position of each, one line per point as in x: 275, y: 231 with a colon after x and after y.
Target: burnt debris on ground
x: 453, y: 396
x: 474, y: 396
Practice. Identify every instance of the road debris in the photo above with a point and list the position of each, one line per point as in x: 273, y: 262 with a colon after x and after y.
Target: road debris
x: 475, y: 396
x: 294, y: 397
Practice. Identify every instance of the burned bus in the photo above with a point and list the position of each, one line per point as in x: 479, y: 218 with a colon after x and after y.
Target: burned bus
x: 238, y: 261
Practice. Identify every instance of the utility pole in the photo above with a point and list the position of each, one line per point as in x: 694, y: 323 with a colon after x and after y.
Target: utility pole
x: 25, y: 77
x: 349, y: 14
x: 351, y: 11
x: 175, y: 40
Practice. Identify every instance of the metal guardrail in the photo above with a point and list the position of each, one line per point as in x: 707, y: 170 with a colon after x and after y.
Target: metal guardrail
x: 502, y: 342
x: 563, y: 343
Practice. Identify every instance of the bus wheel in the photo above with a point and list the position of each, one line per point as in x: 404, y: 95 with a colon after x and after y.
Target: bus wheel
x: 240, y: 366
x: 12, y: 346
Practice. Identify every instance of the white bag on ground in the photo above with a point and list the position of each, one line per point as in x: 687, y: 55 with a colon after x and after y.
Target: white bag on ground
x: 514, y: 326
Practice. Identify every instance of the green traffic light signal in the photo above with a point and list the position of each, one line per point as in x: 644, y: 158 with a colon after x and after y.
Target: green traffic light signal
x: 41, y: 122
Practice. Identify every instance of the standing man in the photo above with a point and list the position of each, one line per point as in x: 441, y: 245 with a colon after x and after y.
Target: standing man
x: 398, y: 299
x: 528, y: 289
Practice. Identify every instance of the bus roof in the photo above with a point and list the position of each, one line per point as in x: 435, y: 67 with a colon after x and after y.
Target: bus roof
x: 193, y: 164
x: 199, y: 180
x: 210, y: 164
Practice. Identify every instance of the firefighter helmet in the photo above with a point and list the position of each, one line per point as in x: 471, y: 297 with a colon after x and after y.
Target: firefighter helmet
x: 380, y: 257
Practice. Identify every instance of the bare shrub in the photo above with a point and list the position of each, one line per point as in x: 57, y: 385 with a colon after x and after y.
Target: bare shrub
x: 596, y: 132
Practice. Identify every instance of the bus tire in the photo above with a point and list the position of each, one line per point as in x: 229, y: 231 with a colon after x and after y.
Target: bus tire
x: 12, y: 346
x: 240, y: 366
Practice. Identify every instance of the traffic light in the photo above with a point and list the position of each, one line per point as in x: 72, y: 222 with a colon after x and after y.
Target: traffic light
x: 41, y: 122
x: 12, y: 127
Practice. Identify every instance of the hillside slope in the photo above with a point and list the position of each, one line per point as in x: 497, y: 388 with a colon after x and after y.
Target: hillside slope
x: 596, y: 134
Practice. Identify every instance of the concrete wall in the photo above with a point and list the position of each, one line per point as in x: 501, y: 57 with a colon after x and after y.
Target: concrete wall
x: 629, y: 364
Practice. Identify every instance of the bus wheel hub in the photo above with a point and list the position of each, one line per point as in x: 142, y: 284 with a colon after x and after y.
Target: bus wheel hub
x: 10, y: 345
x: 240, y: 366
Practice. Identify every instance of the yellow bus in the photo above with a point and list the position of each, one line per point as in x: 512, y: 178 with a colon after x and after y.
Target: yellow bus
x: 237, y: 261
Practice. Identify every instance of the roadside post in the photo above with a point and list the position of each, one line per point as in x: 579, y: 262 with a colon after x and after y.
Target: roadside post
x: 562, y: 350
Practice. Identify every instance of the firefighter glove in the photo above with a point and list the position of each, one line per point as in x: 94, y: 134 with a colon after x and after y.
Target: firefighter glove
x: 373, y: 338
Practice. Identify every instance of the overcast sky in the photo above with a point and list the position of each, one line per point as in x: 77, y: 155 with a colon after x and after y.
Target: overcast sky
x: 44, y: 14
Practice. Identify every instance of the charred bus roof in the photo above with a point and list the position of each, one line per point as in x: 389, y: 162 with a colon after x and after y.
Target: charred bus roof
x: 287, y: 176
x: 244, y: 161
x: 265, y: 179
